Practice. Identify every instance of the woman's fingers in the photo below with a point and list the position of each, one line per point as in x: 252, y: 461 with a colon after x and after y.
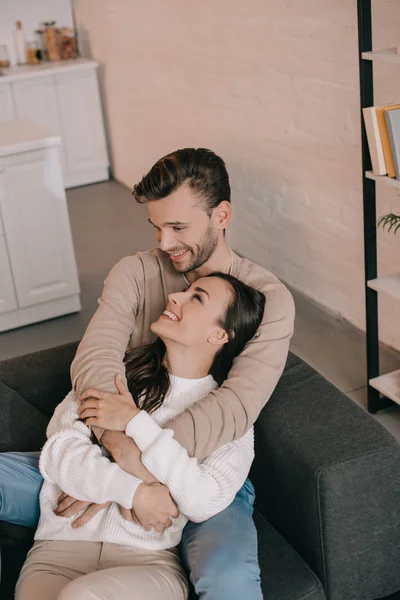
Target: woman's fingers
x: 88, y: 404
x: 134, y: 517
x: 120, y: 385
x: 92, y: 393
x: 88, y: 412
x: 126, y: 514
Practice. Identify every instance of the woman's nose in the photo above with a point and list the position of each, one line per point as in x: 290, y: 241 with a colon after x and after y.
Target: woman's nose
x: 177, y: 298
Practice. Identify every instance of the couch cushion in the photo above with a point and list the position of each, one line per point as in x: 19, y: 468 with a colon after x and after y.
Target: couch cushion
x: 23, y: 427
x: 284, y: 574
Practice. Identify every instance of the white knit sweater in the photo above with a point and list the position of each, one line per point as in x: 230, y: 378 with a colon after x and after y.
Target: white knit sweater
x: 70, y: 462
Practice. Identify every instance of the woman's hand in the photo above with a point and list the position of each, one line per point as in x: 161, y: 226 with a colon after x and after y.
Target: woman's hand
x: 111, y: 411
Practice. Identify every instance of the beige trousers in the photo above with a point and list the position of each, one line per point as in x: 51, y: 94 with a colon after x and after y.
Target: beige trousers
x: 100, y: 571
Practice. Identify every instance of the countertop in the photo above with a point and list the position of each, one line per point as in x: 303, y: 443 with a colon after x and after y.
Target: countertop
x: 45, y: 68
x: 21, y: 135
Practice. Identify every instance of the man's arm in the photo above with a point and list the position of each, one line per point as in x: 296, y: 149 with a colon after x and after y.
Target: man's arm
x: 101, y: 353
x: 228, y: 412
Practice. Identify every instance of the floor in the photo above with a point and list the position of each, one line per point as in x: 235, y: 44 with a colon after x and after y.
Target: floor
x: 107, y: 225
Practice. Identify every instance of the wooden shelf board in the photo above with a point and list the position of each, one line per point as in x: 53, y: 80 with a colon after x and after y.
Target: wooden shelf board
x: 389, y: 180
x: 389, y: 285
x: 386, y: 55
x: 388, y: 385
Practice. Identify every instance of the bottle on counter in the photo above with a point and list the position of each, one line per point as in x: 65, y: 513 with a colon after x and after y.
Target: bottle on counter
x: 20, y: 43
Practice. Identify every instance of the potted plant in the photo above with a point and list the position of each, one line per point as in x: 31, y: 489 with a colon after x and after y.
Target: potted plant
x: 390, y: 221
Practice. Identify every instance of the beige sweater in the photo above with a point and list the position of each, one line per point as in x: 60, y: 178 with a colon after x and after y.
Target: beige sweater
x: 134, y: 295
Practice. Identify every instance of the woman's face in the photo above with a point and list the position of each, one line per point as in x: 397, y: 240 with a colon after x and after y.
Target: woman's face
x: 192, y: 317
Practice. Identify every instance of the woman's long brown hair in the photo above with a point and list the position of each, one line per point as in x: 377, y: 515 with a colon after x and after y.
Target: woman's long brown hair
x: 148, y: 379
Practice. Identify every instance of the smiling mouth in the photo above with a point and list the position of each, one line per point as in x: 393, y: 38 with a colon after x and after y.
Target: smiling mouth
x: 172, y: 316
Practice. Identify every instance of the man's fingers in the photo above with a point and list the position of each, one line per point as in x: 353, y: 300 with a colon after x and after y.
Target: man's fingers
x: 89, y: 514
x: 159, y: 527
x: 61, y: 497
x: 64, y: 504
x: 72, y: 510
x: 175, y: 513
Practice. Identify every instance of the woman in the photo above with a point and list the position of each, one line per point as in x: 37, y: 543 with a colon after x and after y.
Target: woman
x: 200, y: 333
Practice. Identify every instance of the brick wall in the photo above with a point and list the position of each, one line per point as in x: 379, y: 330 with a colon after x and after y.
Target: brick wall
x: 272, y: 86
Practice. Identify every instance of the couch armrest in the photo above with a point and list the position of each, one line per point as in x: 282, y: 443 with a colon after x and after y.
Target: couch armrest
x: 42, y: 378
x: 327, y: 476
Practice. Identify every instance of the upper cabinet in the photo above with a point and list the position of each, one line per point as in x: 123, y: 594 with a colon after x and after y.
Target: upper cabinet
x: 63, y: 98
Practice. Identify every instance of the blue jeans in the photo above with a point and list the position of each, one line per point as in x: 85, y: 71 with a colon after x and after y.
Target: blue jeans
x: 20, y: 483
x: 220, y: 553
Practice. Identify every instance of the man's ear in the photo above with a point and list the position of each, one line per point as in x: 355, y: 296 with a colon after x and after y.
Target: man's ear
x: 222, y: 214
x: 218, y: 337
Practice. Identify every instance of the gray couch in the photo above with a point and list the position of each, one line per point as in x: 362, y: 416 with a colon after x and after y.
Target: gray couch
x: 327, y: 480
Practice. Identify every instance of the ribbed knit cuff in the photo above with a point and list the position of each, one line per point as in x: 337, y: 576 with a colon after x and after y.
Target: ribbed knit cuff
x: 123, y: 487
x: 143, y: 430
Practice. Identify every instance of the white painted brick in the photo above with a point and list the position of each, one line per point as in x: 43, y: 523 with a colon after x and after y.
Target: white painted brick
x: 273, y: 88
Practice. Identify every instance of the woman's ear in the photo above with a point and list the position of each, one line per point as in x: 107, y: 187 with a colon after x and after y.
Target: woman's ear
x: 218, y: 336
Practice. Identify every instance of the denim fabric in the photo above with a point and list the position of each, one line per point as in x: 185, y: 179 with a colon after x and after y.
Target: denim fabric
x: 221, y: 553
x: 20, y: 483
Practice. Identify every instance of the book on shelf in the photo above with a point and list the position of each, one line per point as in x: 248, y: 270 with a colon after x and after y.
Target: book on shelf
x: 392, y: 118
x: 374, y: 141
x: 380, y: 148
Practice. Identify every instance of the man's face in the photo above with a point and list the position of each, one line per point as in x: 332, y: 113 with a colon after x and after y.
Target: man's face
x: 183, y: 229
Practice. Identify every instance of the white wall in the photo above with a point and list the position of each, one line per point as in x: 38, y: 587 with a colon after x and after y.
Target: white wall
x: 31, y: 13
x: 272, y: 86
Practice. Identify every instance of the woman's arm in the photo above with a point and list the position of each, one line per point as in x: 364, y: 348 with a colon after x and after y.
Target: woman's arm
x: 70, y: 460
x: 200, y: 489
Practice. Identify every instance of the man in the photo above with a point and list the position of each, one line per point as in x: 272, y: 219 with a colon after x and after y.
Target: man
x: 188, y: 200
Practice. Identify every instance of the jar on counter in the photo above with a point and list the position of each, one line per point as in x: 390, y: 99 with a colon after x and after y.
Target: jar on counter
x: 51, y: 39
x: 4, y: 58
x: 32, y: 49
x: 68, y: 43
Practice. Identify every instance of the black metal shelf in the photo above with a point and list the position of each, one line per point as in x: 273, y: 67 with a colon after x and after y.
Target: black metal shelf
x: 375, y: 402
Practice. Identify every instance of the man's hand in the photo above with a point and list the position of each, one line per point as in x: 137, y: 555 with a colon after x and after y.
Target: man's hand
x: 112, y: 411
x: 126, y: 454
x: 154, y: 506
x: 68, y: 507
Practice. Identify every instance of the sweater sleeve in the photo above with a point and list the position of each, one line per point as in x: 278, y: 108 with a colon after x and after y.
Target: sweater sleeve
x: 71, y: 461
x: 200, y: 489
x: 227, y: 413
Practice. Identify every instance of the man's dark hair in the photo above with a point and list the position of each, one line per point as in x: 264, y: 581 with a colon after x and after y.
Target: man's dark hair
x: 201, y: 169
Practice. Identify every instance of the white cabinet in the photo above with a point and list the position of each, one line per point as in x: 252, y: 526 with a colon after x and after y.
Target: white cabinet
x: 6, y: 103
x: 78, y: 102
x: 35, y: 100
x: 63, y: 98
x: 8, y: 299
x: 38, y: 275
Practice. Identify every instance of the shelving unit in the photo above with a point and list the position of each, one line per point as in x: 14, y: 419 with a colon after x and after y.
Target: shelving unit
x: 386, y: 385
